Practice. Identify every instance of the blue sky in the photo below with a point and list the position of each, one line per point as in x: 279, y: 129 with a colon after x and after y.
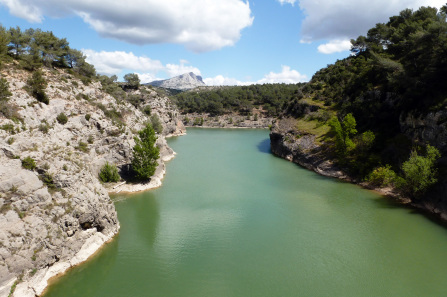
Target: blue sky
x: 226, y: 41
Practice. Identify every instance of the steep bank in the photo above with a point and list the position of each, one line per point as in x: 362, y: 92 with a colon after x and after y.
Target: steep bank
x: 309, y: 152
x: 58, y: 214
x: 231, y: 120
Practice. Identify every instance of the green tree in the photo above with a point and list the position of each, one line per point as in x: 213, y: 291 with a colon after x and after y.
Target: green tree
x: 132, y: 80
x: 420, y: 172
x: 4, y: 42
x: 145, y: 154
x: 109, y: 173
x: 18, y: 41
x: 37, y: 85
x: 343, y: 132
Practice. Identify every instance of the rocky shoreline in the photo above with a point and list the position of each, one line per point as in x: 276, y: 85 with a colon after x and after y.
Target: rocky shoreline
x: 308, y: 153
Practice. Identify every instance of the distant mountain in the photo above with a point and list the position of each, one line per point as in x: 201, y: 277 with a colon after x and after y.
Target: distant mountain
x: 182, y: 82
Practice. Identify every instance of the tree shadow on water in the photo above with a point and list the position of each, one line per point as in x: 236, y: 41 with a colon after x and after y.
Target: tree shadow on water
x: 264, y: 146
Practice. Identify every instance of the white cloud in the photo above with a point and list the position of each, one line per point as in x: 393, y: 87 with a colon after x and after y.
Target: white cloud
x: 110, y: 63
x: 335, y: 46
x: 201, y: 25
x: 287, y: 1
x: 287, y: 75
x: 346, y: 19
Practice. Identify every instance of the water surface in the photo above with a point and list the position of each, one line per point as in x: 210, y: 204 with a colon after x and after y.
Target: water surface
x: 233, y: 220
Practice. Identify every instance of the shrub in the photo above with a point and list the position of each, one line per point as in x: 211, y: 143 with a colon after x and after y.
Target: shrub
x: 29, y: 163
x: 420, y: 172
x: 10, y: 140
x: 87, y: 117
x: 82, y: 146
x: 147, y: 110
x: 109, y: 173
x: 382, y: 176
x: 37, y: 85
x: 156, y: 124
x: 62, y: 118
x: 90, y: 139
x: 4, y: 90
x: 44, y: 127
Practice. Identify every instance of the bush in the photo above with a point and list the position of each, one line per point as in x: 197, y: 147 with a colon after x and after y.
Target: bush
x: 82, y: 146
x: 156, y: 124
x: 87, y: 117
x: 44, y: 127
x: 382, y: 176
x: 62, y: 118
x: 420, y: 172
x: 145, y: 154
x: 37, y: 85
x: 29, y: 163
x: 4, y: 90
x: 109, y: 173
x: 147, y: 110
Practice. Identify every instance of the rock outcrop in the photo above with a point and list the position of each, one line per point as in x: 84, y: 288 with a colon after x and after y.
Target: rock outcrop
x: 57, y: 214
x: 286, y: 142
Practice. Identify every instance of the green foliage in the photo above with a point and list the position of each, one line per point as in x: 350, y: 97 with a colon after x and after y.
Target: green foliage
x: 343, y: 132
x: 241, y: 99
x: 10, y: 140
x: 419, y: 172
x: 4, y: 90
x: 8, y: 128
x: 83, y: 147
x: 147, y: 110
x: 145, y: 154
x: 29, y: 163
x: 198, y: 121
x: 62, y: 118
x: 109, y: 173
x: 48, y: 180
x: 37, y: 85
x: 44, y: 127
x: 156, y: 123
x: 87, y: 117
x: 132, y: 80
x: 382, y: 176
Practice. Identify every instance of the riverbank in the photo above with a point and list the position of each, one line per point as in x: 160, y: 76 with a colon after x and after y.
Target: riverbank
x: 309, y: 153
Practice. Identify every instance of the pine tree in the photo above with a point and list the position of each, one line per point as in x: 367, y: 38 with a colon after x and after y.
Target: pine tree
x: 145, y: 154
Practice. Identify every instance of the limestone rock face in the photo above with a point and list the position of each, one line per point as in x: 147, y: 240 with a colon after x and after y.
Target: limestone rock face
x: 58, y: 214
x: 182, y: 82
x: 301, y: 149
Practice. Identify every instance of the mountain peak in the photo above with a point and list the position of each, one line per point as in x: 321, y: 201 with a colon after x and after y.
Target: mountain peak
x: 182, y: 82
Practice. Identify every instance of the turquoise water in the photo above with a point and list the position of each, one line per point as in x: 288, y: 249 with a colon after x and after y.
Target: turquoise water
x: 233, y: 220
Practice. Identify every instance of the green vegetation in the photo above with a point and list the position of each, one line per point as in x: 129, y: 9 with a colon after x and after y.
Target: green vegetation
x: 36, y: 87
x: 4, y: 90
x: 382, y: 176
x: 132, y: 80
x: 419, y: 172
x: 29, y: 163
x: 145, y: 154
x: 156, y: 124
x: 83, y: 147
x: 272, y: 98
x: 109, y: 173
x: 62, y: 118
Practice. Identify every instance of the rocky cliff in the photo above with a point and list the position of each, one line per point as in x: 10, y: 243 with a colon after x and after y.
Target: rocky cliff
x: 57, y: 214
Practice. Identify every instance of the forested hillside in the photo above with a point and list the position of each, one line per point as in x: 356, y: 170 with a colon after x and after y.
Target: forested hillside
x: 379, y: 113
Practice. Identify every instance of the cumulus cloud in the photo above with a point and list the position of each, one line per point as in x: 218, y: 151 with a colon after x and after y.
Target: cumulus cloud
x: 287, y: 75
x: 335, y: 46
x: 201, y: 25
x: 345, y: 19
x: 110, y: 63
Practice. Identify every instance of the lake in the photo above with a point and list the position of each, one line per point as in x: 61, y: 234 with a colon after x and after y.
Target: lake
x: 231, y: 219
